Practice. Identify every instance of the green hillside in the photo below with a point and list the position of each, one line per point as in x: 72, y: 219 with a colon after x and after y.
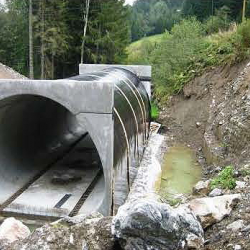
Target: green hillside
x: 185, y: 52
x: 136, y: 50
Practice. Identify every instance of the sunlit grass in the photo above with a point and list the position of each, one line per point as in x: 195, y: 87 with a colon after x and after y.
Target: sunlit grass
x: 154, y: 112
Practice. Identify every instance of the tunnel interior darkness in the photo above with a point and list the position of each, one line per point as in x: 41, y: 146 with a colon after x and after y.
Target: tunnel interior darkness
x: 38, y: 133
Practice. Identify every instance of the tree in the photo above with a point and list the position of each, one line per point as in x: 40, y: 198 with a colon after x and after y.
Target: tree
x: 57, y: 36
x: 205, y: 8
x: 14, y: 35
x: 31, y: 62
x: 86, y: 18
x: 53, y: 34
x: 244, y: 10
x: 108, y: 33
x: 149, y: 17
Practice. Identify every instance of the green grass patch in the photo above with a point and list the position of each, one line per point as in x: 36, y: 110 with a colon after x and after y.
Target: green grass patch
x: 154, y: 112
x: 224, y: 179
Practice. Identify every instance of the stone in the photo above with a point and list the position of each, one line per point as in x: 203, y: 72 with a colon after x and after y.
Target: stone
x: 210, y: 210
x: 148, y: 224
x: 240, y: 184
x: 215, y: 192
x: 12, y: 230
x: 246, y: 229
x: 237, y: 247
x: 198, y: 124
x: 236, y: 225
x: 65, y: 178
x: 92, y: 233
x: 202, y: 187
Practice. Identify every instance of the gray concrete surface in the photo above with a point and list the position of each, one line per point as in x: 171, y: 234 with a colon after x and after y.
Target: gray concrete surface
x: 41, y: 197
x: 39, y: 120
x: 139, y: 70
x: 39, y: 123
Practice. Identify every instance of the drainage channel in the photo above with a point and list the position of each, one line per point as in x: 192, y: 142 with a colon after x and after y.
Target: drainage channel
x: 4, y: 212
x: 85, y: 195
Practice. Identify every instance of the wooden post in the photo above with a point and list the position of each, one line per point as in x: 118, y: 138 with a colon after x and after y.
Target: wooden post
x: 244, y: 10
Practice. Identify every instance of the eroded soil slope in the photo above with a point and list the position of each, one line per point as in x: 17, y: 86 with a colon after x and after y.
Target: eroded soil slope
x: 212, y: 116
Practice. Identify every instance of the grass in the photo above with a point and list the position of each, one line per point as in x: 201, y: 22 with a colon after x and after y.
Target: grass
x: 225, y: 179
x: 137, y: 45
x: 154, y: 112
x: 137, y: 50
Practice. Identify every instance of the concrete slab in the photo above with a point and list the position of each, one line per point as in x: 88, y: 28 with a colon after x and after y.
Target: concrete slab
x: 139, y: 70
x: 94, y: 200
x: 43, y: 195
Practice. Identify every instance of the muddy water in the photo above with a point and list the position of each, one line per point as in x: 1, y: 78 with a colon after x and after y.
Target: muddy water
x: 180, y: 172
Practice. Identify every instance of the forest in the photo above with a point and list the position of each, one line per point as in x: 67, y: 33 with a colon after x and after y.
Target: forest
x: 48, y: 39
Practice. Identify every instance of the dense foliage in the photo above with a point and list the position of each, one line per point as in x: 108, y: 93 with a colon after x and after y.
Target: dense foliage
x: 185, y: 52
x: 149, y: 17
x: 58, y: 35
x: 205, y: 8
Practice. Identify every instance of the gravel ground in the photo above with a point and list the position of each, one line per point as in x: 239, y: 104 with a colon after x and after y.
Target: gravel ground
x: 8, y: 73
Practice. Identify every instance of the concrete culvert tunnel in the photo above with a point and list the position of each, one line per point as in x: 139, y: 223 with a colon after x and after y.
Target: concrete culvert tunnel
x: 71, y: 146
x: 42, y: 144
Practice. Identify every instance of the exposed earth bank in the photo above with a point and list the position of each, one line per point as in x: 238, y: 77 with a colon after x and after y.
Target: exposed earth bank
x: 8, y: 73
x: 212, y: 116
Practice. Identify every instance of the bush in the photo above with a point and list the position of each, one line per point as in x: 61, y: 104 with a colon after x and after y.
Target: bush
x: 174, y: 54
x: 244, y: 34
x: 225, y: 179
x: 219, y: 22
x: 186, y: 52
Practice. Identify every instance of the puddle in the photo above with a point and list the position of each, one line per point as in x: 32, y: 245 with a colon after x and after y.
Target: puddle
x: 180, y: 172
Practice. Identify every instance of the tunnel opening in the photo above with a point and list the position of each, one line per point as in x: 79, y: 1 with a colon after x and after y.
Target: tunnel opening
x: 49, y: 165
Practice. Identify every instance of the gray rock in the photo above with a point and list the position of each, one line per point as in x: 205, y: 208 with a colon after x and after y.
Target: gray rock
x: 236, y: 225
x: 93, y: 233
x: 202, y: 187
x: 198, y: 124
x: 12, y: 230
x: 60, y: 178
x: 147, y: 224
x: 237, y: 247
x: 215, y: 192
x: 210, y: 210
x: 240, y: 184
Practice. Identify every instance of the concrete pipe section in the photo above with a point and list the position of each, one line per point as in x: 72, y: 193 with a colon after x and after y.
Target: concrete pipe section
x: 71, y: 146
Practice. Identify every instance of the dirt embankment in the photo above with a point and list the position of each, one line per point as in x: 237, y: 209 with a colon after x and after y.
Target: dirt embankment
x: 212, y: 116
x: 8, y: 73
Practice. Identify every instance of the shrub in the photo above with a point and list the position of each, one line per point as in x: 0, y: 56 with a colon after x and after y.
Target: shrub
x: 225, y: 179
x: 244, y: 34
x: 219, y: 22
x: 184, y: 53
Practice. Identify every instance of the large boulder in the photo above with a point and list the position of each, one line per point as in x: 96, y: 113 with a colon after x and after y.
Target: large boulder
x: 12, y: 230
x: 88, y: 233
x: 148, y: 224
x: 210, y: 210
